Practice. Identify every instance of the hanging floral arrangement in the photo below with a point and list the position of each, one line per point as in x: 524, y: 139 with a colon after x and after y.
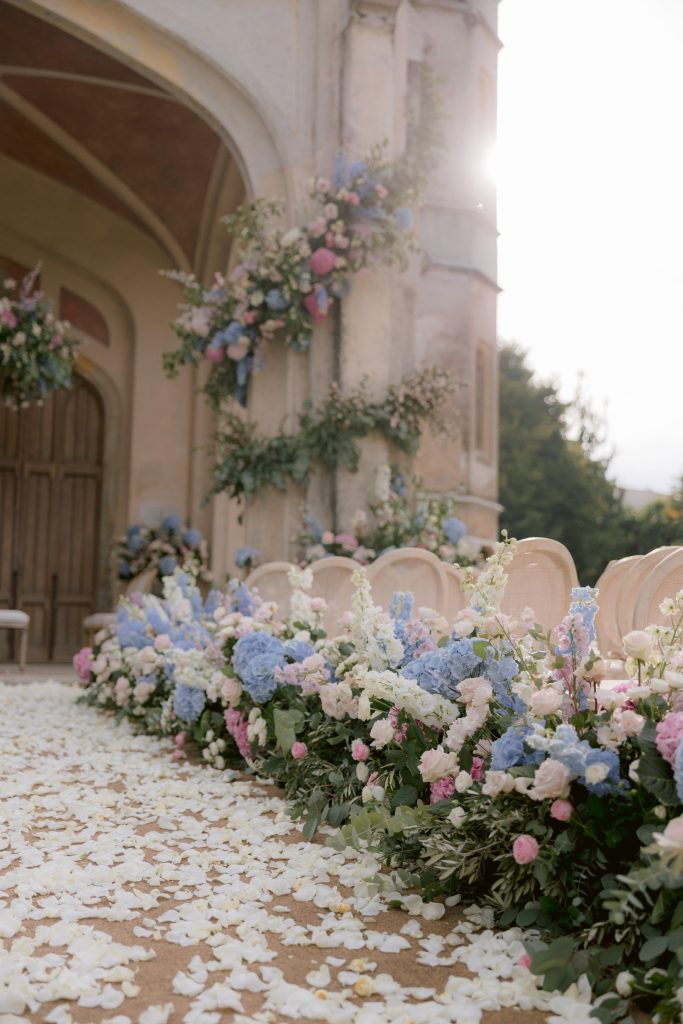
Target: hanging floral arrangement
x: 285, y: 281
x: 36, y: 357
x: 165, y: 548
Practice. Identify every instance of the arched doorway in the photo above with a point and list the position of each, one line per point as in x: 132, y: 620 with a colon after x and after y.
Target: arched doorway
x: 51, y: 460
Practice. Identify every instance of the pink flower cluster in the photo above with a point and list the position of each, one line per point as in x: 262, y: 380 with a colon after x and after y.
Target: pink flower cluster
x: 237, y: 726
x: 669, y: 732
x: 82, y: 662
x: 442, y: 790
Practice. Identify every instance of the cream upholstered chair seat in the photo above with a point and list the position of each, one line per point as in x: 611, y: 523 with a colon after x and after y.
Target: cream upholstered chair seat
x: 541, y: 576
x: 609, y: 588
x: 632, y: 586
x: 12, y: 618
x: 665, y: 580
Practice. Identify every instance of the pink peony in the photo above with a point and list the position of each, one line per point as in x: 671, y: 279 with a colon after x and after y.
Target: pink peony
x: 299, y: 751
x: 477, y: 769
x: 525, y: 849
x: 360, y: 751
x: 561, y: 810
x: 322, y: 261
x: 669, y: 732
x: 82, y: 662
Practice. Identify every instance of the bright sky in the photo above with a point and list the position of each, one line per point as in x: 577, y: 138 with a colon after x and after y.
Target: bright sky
x: 589, y: 167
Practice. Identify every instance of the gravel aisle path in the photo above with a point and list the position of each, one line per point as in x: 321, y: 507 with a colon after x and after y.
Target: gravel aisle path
x: 136, y: 889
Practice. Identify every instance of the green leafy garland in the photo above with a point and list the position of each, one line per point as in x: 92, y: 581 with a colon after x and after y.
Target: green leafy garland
x: 328, y: 434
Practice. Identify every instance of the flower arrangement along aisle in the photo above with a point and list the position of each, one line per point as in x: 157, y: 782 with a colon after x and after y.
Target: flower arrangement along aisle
x: 483, y: 759
x: 394, y: 522
x: 36, y: 357
x: 166, y: 548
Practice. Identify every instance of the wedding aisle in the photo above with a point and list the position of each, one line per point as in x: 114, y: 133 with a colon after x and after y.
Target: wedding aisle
x: 138, y: 888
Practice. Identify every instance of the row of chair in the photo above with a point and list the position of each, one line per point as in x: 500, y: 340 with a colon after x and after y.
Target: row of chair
x: 540, y: 576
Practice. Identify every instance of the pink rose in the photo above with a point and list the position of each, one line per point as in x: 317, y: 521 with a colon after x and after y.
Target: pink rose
x: 299, y: 751
x: 327, y: 537
x: 436, y: 763
x: 322, y: 261
x: 561, y: 810
x: 162, y: 642
x: 360, y: 751
x: 180, y: 739
x: 525, y: 849
x: 524, y: 960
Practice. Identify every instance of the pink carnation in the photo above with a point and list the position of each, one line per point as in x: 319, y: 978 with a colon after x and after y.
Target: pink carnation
x: 237, y: 726
x: 442, y: 790
x: 477, y: 769
x: 669, y: 732
x: 525, y: 849
x: 299, y: 751
x: 322, y: 261
x: 82, y: 662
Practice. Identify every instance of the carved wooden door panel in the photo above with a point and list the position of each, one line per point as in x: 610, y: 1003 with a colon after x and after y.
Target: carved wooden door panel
x: 50, y: 485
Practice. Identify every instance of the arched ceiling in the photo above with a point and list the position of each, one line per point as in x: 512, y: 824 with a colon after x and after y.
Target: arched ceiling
x: 83, y: 118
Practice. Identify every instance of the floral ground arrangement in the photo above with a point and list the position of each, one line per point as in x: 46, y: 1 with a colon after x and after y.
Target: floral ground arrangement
x: 139, y: 888
x: 478, y: 760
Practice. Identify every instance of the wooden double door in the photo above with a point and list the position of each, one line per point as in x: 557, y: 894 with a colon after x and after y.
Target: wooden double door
x: 50, y: 493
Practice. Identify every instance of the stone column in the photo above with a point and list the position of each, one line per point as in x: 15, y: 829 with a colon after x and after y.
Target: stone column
x: 456, y: 298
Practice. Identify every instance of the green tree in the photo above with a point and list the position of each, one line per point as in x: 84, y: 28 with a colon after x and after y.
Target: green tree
x: 552, y: 480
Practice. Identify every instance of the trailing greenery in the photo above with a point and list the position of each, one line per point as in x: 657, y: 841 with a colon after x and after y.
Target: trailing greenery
x: 327, y: 434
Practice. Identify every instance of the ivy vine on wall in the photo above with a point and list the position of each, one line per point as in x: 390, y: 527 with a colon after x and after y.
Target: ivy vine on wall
x: 328, y: 434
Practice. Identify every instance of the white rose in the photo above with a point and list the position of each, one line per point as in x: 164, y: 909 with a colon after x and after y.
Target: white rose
x: 545, y: 702
x: 457, y: 816
x: 624, y: 983
x: 551, y: 781
x: 631, y: 722
x: 638, y: 644
x: 435, y: 764
x: 463, y: 782
x: 364, y: 709
x: 596, y: 773
x: 498, y: 782
x: 382, y: 732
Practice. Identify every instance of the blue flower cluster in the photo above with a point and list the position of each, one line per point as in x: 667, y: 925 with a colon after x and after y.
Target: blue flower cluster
x: 242, y: 599
x: 246, y: 556
x: 584, y: 603
x: 188, y: 702
x: 454, y: 529
x: 442, y: 670
x: 258, y: 655
x: 508, y: 751
x: 577, y: 755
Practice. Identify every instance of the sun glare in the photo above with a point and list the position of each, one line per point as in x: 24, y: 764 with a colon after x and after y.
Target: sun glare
x: 490, y: 165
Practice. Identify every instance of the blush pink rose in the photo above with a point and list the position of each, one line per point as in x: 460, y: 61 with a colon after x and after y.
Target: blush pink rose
x: 561, y: 810
x: 322, y: 261
x: 360, y: 751
x: 524, y: 960
x: 525, y: 849
x: 299, y: 751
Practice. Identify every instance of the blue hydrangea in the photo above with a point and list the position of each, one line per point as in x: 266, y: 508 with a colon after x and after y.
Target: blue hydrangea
x: 404, y: 217
x: 242, y: 597
x: 454, y: 529
x: 258, y: 676
x: 172, y: 522
x: 246, y: 555
x: 314, y: 528
x: 158, y: 619
x: 136, y: 543
x: 192, y: 538
x: 124, y: 570
x: 188, y: 702
x: 500, y: 672
x: 167, y: 565
x: 252, y: 646
x: 213, y: 601
x: 440, y: 671
x: 131, y: 632
x: 298, y: 650
x: 508, y: 750
x: 275, y: 300
x: 566, y: 747
x: 133, y: 531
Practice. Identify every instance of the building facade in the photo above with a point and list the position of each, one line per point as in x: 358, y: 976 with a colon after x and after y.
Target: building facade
x: 129, y: 127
